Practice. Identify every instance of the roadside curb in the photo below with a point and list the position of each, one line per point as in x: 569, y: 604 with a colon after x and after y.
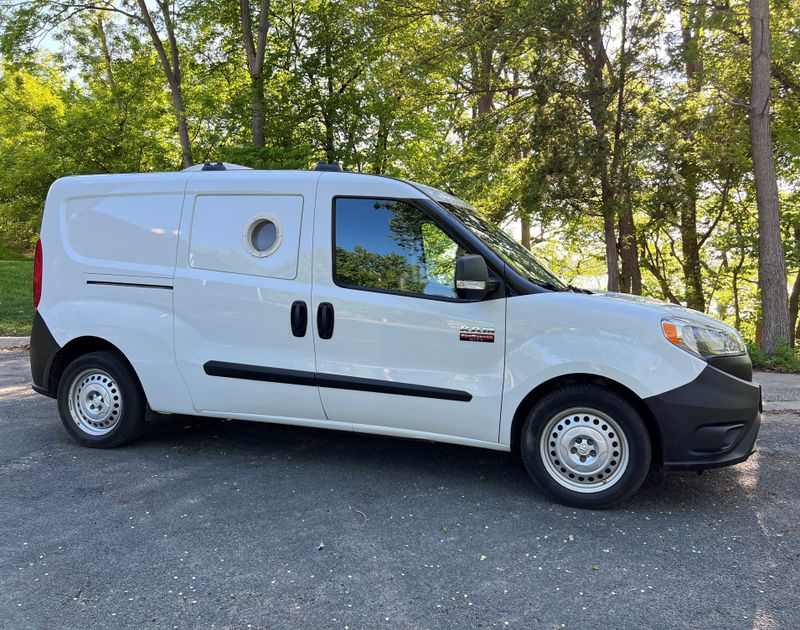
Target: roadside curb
x: 9, y: 343
x: 783, y: 405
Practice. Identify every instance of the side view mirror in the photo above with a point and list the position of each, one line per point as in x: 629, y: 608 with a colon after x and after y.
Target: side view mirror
x: 472, y: 277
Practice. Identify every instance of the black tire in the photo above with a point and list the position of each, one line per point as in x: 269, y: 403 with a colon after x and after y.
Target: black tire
x: 555, y: 477
x: 121, y: 402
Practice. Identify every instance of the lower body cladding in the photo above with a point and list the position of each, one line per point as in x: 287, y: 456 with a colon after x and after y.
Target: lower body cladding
x: 708, y: 423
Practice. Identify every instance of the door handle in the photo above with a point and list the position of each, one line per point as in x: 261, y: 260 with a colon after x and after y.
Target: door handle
x: 299, y: 318
x: 325, y: 320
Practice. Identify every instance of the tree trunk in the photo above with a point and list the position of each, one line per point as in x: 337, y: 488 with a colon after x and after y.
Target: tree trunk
x: 327, y: 111
x: 737, y: 310
x: 525, y: 229
x: 484, y: 82
x: 692, y: 271
x: 610, y: 238
x: 171, y: 65
x: 771, y: 262
x: 598, y: 112
x: 107, y: 62
x: 794, y: 300
x: 631, y: 275
x: 381, y: 144
x: 255, y: 49
x: 692, y: 21
x: 794, y: 323
x: 258, y: 110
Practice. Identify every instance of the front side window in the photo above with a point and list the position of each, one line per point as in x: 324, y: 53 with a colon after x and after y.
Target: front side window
x: 390, y: 245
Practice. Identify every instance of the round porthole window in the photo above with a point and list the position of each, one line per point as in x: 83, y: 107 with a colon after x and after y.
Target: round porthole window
x: 263, y: 236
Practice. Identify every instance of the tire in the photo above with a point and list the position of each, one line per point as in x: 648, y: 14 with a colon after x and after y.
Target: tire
x: 100, y: 401
x: 586, y: 447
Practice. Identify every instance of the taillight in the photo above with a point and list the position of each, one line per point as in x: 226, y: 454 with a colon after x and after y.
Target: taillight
x: 37, y: 274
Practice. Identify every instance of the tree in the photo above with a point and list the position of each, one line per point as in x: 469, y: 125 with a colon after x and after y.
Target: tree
x: 26, y: 22
x: 255, y: 50
x: 771, y: 262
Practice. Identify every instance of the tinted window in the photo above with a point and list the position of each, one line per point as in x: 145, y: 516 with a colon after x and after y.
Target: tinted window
x: 391, y: 245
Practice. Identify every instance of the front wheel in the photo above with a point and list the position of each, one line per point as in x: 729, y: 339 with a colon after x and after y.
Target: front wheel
x: 100, y: 401
x: 586, y: 446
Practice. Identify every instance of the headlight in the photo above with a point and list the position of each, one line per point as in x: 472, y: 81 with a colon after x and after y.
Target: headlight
x: 701, y: 340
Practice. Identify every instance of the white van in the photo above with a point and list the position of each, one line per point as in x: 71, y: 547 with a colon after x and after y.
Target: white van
x: 364, y: 303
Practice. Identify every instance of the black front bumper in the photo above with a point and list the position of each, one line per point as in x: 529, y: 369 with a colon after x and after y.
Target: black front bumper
x: 711, y: 422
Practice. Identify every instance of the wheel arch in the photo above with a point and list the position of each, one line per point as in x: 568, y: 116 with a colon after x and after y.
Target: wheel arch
x: 76, y: 348
x: 557, y: 382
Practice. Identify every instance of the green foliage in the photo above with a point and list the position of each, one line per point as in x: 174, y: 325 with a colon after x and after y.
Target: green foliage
x: 785, y: 360
x: 16, y: 298
x: 392, y: 272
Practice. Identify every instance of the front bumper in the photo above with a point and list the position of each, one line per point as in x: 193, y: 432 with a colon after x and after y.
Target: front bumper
x: 708, y: 423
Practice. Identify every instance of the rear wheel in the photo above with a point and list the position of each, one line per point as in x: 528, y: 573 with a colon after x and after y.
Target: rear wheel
x: 100, y: 401
x: 586, y: 446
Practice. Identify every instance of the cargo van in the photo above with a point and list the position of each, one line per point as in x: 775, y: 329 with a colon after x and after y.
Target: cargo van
x: 365, y: 303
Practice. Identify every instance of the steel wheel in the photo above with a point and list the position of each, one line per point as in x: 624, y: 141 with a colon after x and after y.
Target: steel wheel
x: 584, y: 450
x: 95, y: 402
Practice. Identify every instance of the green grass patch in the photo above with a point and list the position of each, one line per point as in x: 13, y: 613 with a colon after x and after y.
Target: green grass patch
x: 11, y: 253
x: 16, y: 297
x: 785, y: 360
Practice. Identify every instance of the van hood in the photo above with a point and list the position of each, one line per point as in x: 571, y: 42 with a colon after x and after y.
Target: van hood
x: 667, y: 309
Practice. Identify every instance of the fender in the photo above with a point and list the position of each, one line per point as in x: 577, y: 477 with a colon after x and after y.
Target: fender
x: 551, y: 335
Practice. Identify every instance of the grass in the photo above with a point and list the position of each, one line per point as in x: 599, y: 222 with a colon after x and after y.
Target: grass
x: 10, y: 253
x: 16, y: 296
x: 786, y: 359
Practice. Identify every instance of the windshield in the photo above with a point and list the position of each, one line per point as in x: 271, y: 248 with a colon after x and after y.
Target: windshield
x: 513, y: 253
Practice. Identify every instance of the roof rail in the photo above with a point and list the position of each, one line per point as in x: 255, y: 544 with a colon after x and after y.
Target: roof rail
x: 333, y: 167
x: 216, y: 166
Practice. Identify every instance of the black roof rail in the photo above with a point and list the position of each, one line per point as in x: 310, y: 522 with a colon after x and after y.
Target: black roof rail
x: 333, y: 167
x: 216, y: 166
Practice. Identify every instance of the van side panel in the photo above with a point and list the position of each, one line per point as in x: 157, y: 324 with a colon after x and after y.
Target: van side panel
x: 122, y: 232
x: 109, y: 246
x: 219, y: 231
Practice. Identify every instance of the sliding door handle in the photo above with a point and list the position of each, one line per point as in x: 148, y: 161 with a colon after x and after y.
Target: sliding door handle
x: 299, y: 318
x: 325, y: 320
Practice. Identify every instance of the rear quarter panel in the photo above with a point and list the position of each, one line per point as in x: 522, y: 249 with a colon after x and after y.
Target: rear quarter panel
x: 100, y: 234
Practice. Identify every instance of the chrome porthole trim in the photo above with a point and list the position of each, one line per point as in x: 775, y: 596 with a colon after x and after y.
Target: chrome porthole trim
x: 255, y: 222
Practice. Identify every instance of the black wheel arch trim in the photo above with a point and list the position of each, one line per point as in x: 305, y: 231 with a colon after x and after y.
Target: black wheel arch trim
x: 44, y: 349
x: 48, y: 359
x: 331, y: 381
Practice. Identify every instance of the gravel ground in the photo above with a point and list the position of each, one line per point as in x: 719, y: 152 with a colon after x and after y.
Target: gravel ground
x: 215, y: 524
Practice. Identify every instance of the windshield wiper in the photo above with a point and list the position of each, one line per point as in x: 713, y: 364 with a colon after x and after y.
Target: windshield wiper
x: 575, y: 289
x: 545, y: 285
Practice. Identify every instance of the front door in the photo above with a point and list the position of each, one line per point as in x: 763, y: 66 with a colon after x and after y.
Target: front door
x: 397, y: 350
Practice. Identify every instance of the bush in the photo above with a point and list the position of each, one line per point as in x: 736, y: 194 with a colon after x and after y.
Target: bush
x: 786, y: 359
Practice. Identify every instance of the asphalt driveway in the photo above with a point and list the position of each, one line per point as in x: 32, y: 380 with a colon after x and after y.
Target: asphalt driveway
x: 216, y: 524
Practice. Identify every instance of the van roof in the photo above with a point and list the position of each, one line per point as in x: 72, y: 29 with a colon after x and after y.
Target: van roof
x: 214, y: 169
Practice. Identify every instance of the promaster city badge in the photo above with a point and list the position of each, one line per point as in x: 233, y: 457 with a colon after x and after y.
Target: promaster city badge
x: 477, y: 333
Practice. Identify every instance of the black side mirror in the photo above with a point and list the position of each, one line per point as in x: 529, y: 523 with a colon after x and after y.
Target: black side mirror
x: 472, y: 277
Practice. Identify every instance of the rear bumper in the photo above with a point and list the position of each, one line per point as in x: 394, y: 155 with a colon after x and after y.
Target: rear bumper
x: 708, y: 423
x: 43, y: 350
